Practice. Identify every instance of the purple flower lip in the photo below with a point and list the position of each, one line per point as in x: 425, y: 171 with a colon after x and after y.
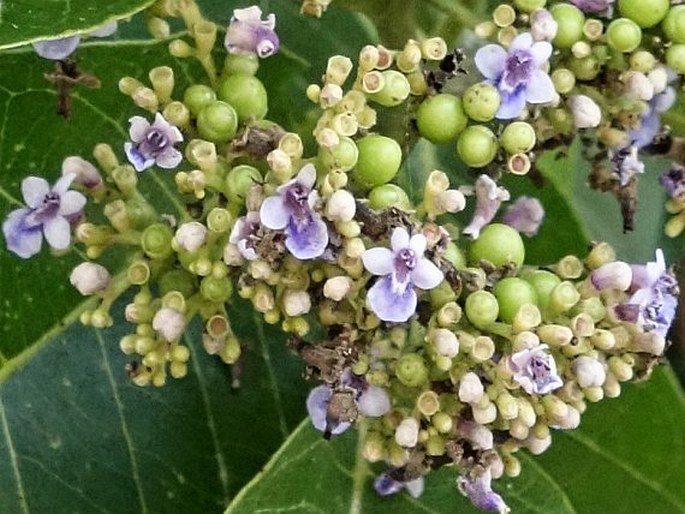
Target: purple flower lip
x: 248, y: 34
x: 153, y: 144
x: 516, y: 73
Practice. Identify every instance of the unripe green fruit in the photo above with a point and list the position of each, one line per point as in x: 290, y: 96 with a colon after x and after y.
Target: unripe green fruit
x: 240, y: 179
x: 675, y: 58
x: 543, y: 282
x: 198, y: 96
x: 529, y: 5
x: 518, y: 137
x: 624, y: 35
x: 563, y: 80
x: 342, y: 156
x: 454, y: 255
x: 217, y: 122
x: 441, y: 118
x: 395, y: 91
x: 178, y: 280
x: 379, y: 160
x: 477, y: 146
x: 389, y: 195
x: 570, y: 22
x: 156, y: 241
x: 674, y: 24
x: 511, y: 293
x: 246, y: 94
x: 481, y: 308
x: 498, y: 243
x: 586, y: 68
x: 644, y: 13
x: 643, y: 61
x: 411, y: 370
x: 246, y: 64
x: 215, y: 289
x: 481, y: 101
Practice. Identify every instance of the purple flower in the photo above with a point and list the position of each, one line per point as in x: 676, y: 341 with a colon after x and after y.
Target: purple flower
x: 535, y: 370
x: 525, y: 215
x: 153, y: 144
x: 385, y: 486
x: 476, y: 486
x: 488, y: 199
x: 650, y: 123
x: 673, y: 181
x: 317, y: 407
x: 655, y: 298
x: 242, y: 235
x: 594, y: 6
x: 516, y: 73
x: 48, y: 212
x: 61, y: 48
x: 247, y: 33
x: 292, y: 209
x: 392, y: 297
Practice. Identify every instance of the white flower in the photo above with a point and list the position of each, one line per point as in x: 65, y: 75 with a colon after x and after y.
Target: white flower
x: 89, y: 278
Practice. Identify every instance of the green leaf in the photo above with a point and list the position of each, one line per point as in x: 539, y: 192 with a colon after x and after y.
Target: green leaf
x: 25, y: 21
x: 627, y: 458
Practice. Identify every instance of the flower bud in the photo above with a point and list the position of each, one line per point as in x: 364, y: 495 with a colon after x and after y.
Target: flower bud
x: 543, y: 27
x: 470, y: 388
x: 479, y: 436
x: 659, y: 79
x: 445, y: 342
x: 330, y: 95
x: 169, y: 323
x: 589, y: 372
x: 341, y: 206
x: 613, y: 275
x: 89, y: 278
x: 537, y: 446
x: 336, y: 288
x: 484, y: 415
x: 407, y: 433
x: 586, y: 113
x: 638, y: 85
x: 190, y: 236
x: 296, y: 303
x: 86, y: 174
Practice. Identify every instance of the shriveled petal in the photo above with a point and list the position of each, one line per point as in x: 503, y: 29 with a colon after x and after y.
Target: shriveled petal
x: 34, y: 189
x: 385, y: 486
x: 523, y: 41
x: 57, y: 232
x: 169, y: 158
x: 418, y: 244
x: 71, y: 202
x: 399, y: 239
x: 307, y: 176
x: 490, y: 61
x: 237, y: 231
x: 273, y: 213
x: 540, y: 88
x: 378, y: 261
x: 138, y: 129
x: 388, y: 305
x: 307, y: 240
x: 136, y: 158
x: 21, y: 239
x: 512, y: 104
x: 426, y: 275
x: 57, y: 49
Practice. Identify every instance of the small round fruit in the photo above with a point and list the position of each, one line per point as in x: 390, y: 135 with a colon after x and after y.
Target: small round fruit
x: 342, y: 156
x: 570, y: 21
x: 481, y: 308
x: 624, y: 35
x: 395, y: 91
x: 197, y: 96
x: 389, y: 195
x: 240, y: 179
x: 674, y: 24
x: 498, y: 243
x: 543, y: 282
x: 511, y: 293
x: 217, y: 122
x: 246, y: 94
x: 247, y: 64
x: 518, y: 137
x: 644, y: 13
x: 477, y: 146
x: 529, y: 5
x: 675, y: 58
x: 441, y: 118
x: 481, y: 101
x: 379, y: 160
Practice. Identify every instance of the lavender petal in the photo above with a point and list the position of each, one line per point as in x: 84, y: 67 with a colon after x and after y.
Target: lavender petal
x: 490, y: 61
x: 389, y: 305
x: 378, y: 261
x: 34, y: 189
x: 57, y: 232
x: 308, y: 240
x: 22, y: 240
x: 57, y: 49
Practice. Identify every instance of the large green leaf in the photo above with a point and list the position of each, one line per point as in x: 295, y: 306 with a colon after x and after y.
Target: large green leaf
x: 25, y: 21
x: 627, y: 458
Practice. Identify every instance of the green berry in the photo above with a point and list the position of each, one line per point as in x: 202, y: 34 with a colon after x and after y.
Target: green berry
x: 216, y: 290
x: 411, y: 370
x: 518, y: 137
x: 395, y: 91
x: 563, y: 80
x: 529, y: 5
x: 389, y: 195
x: 196, y: 97
x: 643, y: 61
x: 644, y: 13
x: 586, y: 68
x: 379, y: 160
x: 481, y: 101
x: 240, y: 179
x: 454, y: 255
x: 245, y: 64
x: 481, y: 308
x: 543, y: 282
x: 477, y: 146
x: 674, y: 24
x: 500, y: 244
x: 342, y: 156
x: 675, y: 58
x: 156, y: 241
x: 246, y: 94
x: 217, y: 122
x: 441, y: 118
x: 624, y: 35
x: 511, y: 293
x: 570, y: 22
x: 178, y: 280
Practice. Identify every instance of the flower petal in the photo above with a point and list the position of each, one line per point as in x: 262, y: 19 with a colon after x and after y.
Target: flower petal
x: 71, y: 202
x: 273, y: 213
x: 106, y: 30
x: 389, y: 306
x: 512, y: 104
x: 399, y: 239
x: 136, y: 158
x: 138, y: 129
x: 490, y: 61
x: 317, y: 407
x: 541, y: 52
x: 307, y: 176
x: 34, y: 189
x: 426, y: 275
x: 540, y: 88
x: 523, y: 41
x: 378, y: 261
x: 169, y: 158
x: 418, y: 244
x: 62, y: 185
x: 57, y: 49
x: 21, y: 239
x: 57, y: 232
x: 308, y: 240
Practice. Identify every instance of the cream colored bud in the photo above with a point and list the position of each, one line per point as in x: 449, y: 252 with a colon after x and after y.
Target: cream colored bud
x: 525, y: 340
x: 483, y: 348
x: 407, y: 433
x: 89, y: 278
x: 260, y: 270
x: 368, y: 57
x: 339, y: 67
x: 191, y: 236
x: 327, y: 137
x: 586, y: 113
x: 659, y: 79
x: 589, y: 372
x: 470, y: 388
x: 354, y: 247
x: 169, y: 323
x: 537, y: 446
x: 484, y: 415
x: 146, y: 98
x: 296, y: 303
x: 638, y: 85
x: 336, y: 288
x: 479, y: 436
x: 436, y: 183
x: 313, y: 92
x: 341, y: 206
x: 555, y: 335
x: 527, y: 414
x: 543, y: 27
x: 445, y: 342
x: 649, y: 342
x: 507, y: 406
x: 451, y: 200
x: 232, y: 255
x: 571, y: 420
x: 330, y: 95
x: 280, y: 162
x: 581, y: 49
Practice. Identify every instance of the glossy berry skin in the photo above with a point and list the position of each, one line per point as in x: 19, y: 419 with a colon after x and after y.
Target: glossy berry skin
x: 378, y: 162
x: 511, y: 293
x: 477, y: 146
x: 342, y: 156
x: 518, y: 137
x: 481, y: 101
x: 498, y: 243
x: 674, y: 24
x: 217, y: 122
x: 197, y: 96
x: 624, y: 35
x: 675, y: 58
x: 246, y: 94
x: 645, y: 14
x: 543, y: 282
x: 481, y: 308
x: 389, y: 195
x: 240, y: 179
x: 441, y: 118
x: 570, y: 20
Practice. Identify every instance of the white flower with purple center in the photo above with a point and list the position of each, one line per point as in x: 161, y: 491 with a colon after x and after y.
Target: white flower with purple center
x: 292, y: 210
x: 49, y: 212
x: 385, y: 485
x: 153, y: 144
x: 516, y: 73
x: 248, y: 34
x: 535, y: 370
x: 242, y: 235
x: 393, y: 296
x: 476, y: 486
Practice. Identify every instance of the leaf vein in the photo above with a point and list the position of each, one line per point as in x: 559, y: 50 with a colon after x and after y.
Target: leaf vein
x: 21, y: 494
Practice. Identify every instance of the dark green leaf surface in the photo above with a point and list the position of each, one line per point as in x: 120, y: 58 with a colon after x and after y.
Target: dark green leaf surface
x: 628, y: 458
x: 25, y: 21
